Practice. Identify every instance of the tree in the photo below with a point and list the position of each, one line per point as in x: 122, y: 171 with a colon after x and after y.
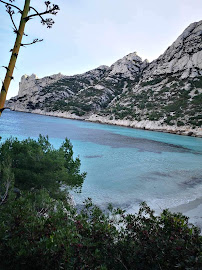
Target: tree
x: 36, y: 164
x: 25, y: 17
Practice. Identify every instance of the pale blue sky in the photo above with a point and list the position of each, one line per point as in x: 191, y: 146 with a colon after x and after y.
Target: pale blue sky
x: 89, y: 33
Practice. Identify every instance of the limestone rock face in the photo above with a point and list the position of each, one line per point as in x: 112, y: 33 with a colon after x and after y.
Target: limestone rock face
x: 183, y: 57
x: 34, y: 84
x: 165, y: 94
x: 129, y: 66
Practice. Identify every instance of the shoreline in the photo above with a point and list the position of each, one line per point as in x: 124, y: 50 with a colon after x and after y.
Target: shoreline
x: 142, y: 125
x: 189, y: 206
x: 192, y: 209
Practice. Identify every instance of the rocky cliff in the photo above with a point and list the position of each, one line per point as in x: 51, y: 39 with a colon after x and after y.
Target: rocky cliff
x: 165, y: 94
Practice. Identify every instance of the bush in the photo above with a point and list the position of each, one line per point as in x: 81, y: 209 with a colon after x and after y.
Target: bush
x: 37, y: 232
x: 180, y: 123
x: 197, y: 83
x: 163, y: 242
x: 197, y: 100
x: 154, y: 116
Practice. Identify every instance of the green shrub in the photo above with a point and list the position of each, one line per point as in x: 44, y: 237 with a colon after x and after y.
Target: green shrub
x: 180, y: 123
x: 197, y: 83
x: 197, y: 100
x: 60, y: 105
x: 37, y: 232
x: 154, y: 116
x: 163, y: 242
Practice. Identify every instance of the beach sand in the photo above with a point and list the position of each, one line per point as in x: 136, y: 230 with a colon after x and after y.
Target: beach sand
x: 193, y: 210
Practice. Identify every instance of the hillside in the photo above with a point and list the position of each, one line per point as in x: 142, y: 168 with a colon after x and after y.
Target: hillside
x: 164, y: 95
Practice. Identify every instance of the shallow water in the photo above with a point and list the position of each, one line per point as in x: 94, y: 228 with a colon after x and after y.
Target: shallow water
x: 125, y: 166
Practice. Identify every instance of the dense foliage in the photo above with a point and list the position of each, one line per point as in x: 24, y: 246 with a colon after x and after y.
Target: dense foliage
x: 36, y: 165
x: 39, y: 231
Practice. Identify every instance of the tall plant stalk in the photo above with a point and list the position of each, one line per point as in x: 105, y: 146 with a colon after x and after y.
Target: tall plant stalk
x: 14, y: 55
x: 49, y: 9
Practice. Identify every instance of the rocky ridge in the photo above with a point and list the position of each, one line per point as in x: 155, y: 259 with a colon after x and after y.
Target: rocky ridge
x: 164, y: 95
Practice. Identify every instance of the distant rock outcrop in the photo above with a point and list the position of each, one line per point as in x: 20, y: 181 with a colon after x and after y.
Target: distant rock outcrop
x: 165, y: 94
x: 183, y: 57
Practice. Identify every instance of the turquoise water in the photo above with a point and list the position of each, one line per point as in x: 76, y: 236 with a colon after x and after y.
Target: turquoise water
x: 124, y: 166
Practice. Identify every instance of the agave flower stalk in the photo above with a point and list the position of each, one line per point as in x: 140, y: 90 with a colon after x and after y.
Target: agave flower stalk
x: 14, y: 55
x: 48, y: 22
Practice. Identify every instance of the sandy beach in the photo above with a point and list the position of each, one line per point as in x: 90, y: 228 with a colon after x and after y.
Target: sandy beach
x: 193, y: 210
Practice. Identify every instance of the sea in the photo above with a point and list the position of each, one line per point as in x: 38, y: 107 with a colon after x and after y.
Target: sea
x: 124, y: 166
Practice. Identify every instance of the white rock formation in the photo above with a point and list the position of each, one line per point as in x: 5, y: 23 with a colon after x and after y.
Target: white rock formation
x: 129, y: 66
x: 183, y: 56
x: 144, y: 95
x: 29, y: 85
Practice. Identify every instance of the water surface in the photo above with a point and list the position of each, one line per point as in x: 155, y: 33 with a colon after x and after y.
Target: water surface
x: 125, y: 166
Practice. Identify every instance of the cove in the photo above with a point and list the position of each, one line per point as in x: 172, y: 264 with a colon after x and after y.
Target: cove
x: 124, y: 166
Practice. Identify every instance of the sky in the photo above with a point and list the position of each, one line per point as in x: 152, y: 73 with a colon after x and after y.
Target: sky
x: 90, y: 33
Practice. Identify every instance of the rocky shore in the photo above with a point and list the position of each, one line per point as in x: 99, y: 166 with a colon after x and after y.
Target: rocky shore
x: 145, y: 124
